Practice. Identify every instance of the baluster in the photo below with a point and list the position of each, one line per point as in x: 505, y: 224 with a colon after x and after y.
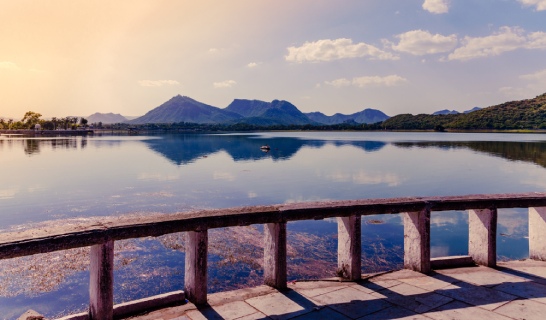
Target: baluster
x: 349, y: 247
x: 537, y: 233
x: 101, y: 281
x: 417, y: 240
x: 275, y: 255
x: 195, y: 276
x: 482, y: 236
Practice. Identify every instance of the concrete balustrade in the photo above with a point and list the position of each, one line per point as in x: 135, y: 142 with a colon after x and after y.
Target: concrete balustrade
x: 537, y: 233
x: 417, y: 240
x: 416, y: 213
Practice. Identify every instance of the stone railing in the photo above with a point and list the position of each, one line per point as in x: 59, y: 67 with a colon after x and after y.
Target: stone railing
x: 415, y: 211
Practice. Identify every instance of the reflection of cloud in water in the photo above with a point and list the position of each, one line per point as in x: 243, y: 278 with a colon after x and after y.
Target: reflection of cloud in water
x: 513, y: 222
x: 158, y: 176
x: 228, y: 176
x: 362, y: 177
x: 442, y: 219
x: 391, y: 179
x: 439, y: 251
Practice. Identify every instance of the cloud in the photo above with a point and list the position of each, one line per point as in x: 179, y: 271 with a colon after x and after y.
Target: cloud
x: 421, y: 42
x: 535, y: 84
x: 540, y: 5
x: 224, y: 84
x: 536, y: 40
x: 218, y: 175
x: 436, y: 6
x: 328, y: 50
x: 537, y: 76
x: 252, y: 65
x: 8, y: 65
x: 158, y: 83
x: 387, y: 81
x: 506, y: 39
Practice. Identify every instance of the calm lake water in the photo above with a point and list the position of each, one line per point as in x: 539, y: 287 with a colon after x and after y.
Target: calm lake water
x: 71, y: 179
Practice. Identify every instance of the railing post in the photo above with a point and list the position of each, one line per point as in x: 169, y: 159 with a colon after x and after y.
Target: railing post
x: 537, y: 233
x: 482, y: 236
x: 101, y: 281
x: 195, y: 276
x: 349, y: 249
x: 417, y: 240
x: 275, y: 255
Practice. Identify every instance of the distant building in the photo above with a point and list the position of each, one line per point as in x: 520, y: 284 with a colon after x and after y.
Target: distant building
x: 37, y: 127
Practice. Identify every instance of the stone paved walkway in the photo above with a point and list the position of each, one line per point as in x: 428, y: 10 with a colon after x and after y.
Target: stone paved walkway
x: 514, y: 290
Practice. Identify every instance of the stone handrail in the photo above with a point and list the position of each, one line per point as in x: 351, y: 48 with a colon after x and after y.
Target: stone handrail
x: 415, y: 211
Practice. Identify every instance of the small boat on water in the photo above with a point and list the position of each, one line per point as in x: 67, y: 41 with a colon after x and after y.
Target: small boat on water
x: 265, y: 147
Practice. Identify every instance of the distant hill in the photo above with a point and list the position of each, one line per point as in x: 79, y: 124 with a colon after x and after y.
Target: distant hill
x: 364, y: 116
x: 276, y: 112
x: 185, y: 109
x: 445, y: 111
x: 522, y: 114
x: 472, y: 110
x: 106, y: 118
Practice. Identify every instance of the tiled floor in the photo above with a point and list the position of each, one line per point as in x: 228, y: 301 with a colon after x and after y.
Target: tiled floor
x: 514, y: 290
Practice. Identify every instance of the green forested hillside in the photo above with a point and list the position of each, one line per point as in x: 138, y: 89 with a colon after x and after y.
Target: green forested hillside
x: 523, y: 114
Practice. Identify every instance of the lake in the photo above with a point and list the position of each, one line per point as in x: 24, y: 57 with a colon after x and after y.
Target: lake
x: 71, y: 180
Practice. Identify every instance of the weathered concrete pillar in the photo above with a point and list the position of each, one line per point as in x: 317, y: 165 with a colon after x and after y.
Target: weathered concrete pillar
x: 349, y: 249
x: 101, y: 282
x: 417, y: 240
x: 482, y: 236
x: 275, y: 255
x: 537, y: 233
x: 195, y: 276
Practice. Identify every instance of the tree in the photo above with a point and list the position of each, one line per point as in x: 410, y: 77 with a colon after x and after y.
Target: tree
x: 31, y: 119
x: 83, y: 122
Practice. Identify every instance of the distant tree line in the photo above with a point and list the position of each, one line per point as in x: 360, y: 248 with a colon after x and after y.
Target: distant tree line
x: 31, y: 119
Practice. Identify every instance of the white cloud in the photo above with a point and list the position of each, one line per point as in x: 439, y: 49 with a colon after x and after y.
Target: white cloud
x: 420, y: 42
x: 506, y: 39
x: 436, y: 6
x: 536, y: 40
x: 388, y: 81
x: 8, y: 65
x: 540, y: 5
x: 224, y: 84
x: 536, y: 83
x: 537, y: 76
x: 158, y: 83
x: 252, y: 65
x: 328, y: 50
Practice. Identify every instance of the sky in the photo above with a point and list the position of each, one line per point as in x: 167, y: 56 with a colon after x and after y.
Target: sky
x: 74, y: 57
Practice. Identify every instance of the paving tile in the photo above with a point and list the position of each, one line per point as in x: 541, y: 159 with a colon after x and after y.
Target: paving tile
x: 414, y: 298
x: 376, y: 285
x: 315, y: 288
x: 352, y: 302
x: 284, y: 305
x: 394, y: 312
x: 323, y: 313
x: 528, y: 290
x: 397, y: 275
x: 481, y: 276
x: 457, y: 310
x: 429, y: 283
x: 228, y: 311
x: 523, y: 309
x: 483, y: 297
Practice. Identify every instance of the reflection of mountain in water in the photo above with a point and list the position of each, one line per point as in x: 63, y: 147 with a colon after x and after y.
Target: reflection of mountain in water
x: 534, y: 152
x: 186, y: 148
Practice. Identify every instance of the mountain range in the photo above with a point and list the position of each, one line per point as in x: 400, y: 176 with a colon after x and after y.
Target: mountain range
x: 446, y: 111
x: 255, y: 112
